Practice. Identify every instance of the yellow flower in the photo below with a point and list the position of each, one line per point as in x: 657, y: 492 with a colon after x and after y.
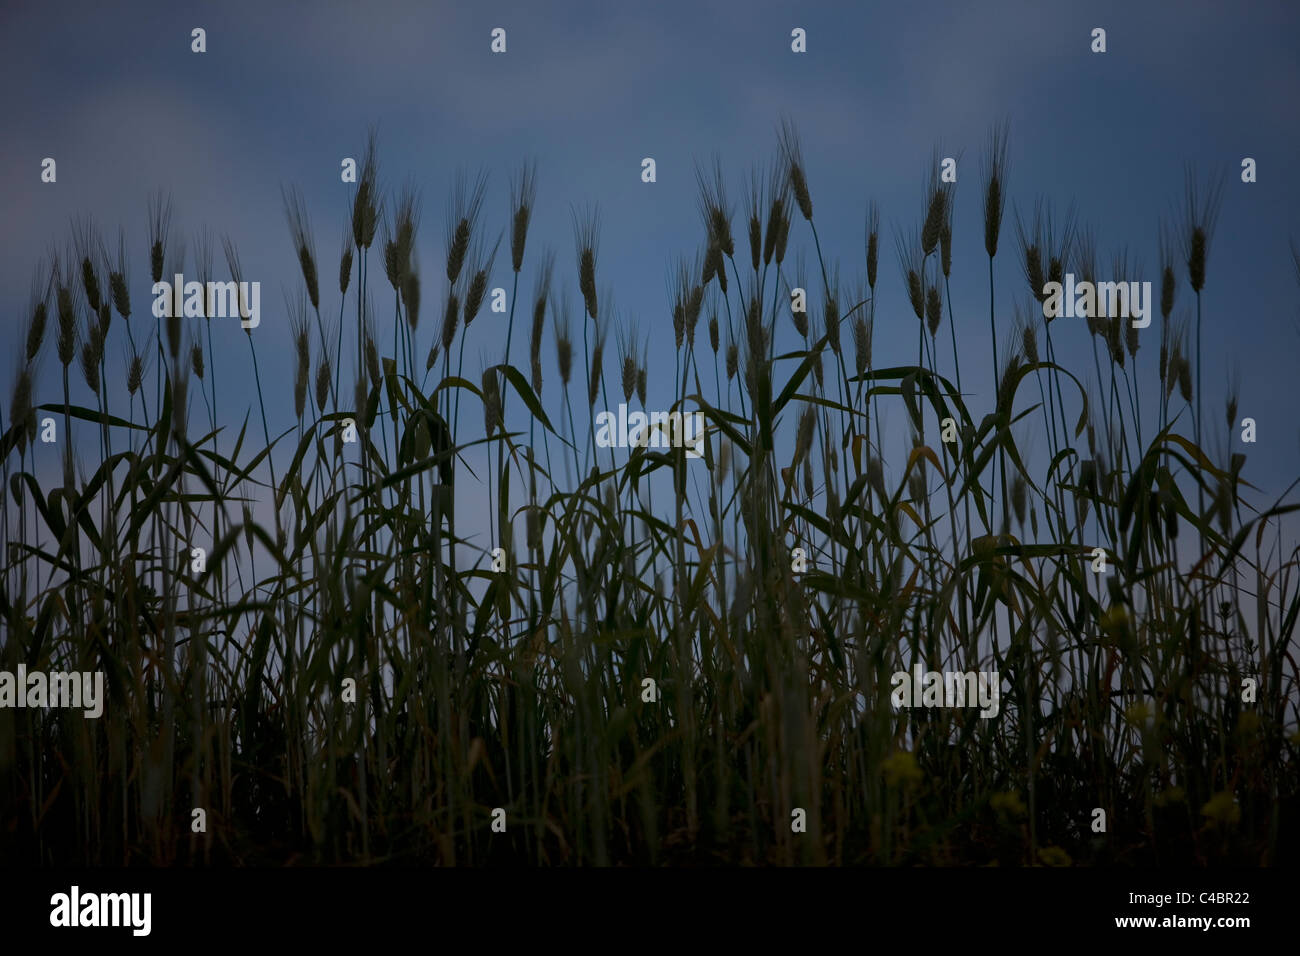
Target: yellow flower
x: 901, y: 768
x: 1166, y: 797
x: 1222, y: 809
x: 1054, y: 856
x: 1007, y: 803
x: 1138, y: 714
x: 1114, y: 619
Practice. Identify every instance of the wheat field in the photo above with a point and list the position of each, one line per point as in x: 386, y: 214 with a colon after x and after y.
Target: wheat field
x: 415, y: 633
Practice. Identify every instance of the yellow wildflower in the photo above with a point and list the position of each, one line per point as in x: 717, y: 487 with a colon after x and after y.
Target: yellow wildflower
x: 901, y: 768
x: 1222, y: 809
x: 1054, y: 856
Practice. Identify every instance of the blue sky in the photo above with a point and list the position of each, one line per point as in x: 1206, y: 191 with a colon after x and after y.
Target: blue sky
x: 285, y: 91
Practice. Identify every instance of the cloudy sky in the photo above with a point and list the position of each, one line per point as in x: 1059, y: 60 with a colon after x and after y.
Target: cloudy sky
x: 285, y: 91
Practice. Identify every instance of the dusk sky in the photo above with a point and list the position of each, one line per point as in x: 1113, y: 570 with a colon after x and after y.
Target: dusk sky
x: 285, y: 92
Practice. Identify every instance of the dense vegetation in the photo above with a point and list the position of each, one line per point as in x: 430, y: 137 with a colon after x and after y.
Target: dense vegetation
x: 350, y: 548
